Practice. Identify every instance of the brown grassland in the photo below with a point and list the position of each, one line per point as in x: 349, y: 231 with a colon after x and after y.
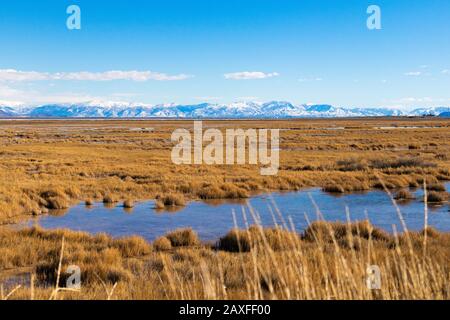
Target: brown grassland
x: 327, y: 261
x: 52, y: 164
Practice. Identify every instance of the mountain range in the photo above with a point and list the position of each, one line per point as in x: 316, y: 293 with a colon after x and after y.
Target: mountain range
x: 273, y: 109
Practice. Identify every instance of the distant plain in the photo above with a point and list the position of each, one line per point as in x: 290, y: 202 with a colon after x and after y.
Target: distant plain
x: 54, y: 164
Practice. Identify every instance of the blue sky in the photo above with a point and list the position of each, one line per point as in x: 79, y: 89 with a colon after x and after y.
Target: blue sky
x: 310, y: 51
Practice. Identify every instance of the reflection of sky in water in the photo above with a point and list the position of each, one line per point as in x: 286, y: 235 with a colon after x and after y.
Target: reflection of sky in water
x: 214, y: 219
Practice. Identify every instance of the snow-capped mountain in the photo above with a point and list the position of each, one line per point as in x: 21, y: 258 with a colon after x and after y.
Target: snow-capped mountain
x: 272, y: 109
x: 430, y: 111
x: 6, y: 111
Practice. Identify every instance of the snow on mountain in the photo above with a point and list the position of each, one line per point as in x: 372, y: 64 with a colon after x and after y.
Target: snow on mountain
x: 272, y: 109
x: 10, y: 109
x: 434, y: 111
x: 6, y: 111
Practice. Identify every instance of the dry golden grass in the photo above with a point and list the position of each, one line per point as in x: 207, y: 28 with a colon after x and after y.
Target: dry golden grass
x: 436, y: 187
x: 109, y: 199
x: 128, y: 203
x: 437, y: 197
x: 162, y: 244
x: 327, y: 261
x: 183, y: 238
x: 54, y: 164
x: 170, y: 200
x: 404, y: 195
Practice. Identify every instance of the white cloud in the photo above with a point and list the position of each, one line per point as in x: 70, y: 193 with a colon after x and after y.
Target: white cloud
x: 408, y: 103
x: 413, y: 73
x: 249, y: 98
x: 310, y: 79
x: 7, y: 92
x: 12, y: 96
x: 414, y: 101
x: 124, y: 94
x: 249, y: 75
x: 208, y: 98
x: 446, y: 71
x: 15, y: 75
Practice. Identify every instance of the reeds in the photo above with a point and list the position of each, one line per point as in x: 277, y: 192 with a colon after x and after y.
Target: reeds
x: 162, y: 244
x: 170, y: 200
x: 128, y: 204
x: 326, y: 261
x: 437, y: 197
x: 403, y: 195
x: 439, y: 187
x: 183, y: 238
x: 109, y: 199
x: 40, y: 169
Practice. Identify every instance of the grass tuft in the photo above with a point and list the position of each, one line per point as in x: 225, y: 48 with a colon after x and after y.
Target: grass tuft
x: 403, y: 195
x: 183, y: 238
x: 162, y: 244
x: 170, y: 200
x: 109, y: 199
x: 437, y: 197
x: 128, y: 203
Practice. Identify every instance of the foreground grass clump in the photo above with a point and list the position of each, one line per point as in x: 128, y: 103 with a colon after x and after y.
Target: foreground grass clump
x: 183, y: 238
x: 162, y: 244
x: 327, y: 261
x: 244, y: 240
x: 98, y: 256
x: 342, y: 232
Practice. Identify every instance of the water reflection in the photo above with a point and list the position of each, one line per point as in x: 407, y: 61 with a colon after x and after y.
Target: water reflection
x: 213, y: 219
